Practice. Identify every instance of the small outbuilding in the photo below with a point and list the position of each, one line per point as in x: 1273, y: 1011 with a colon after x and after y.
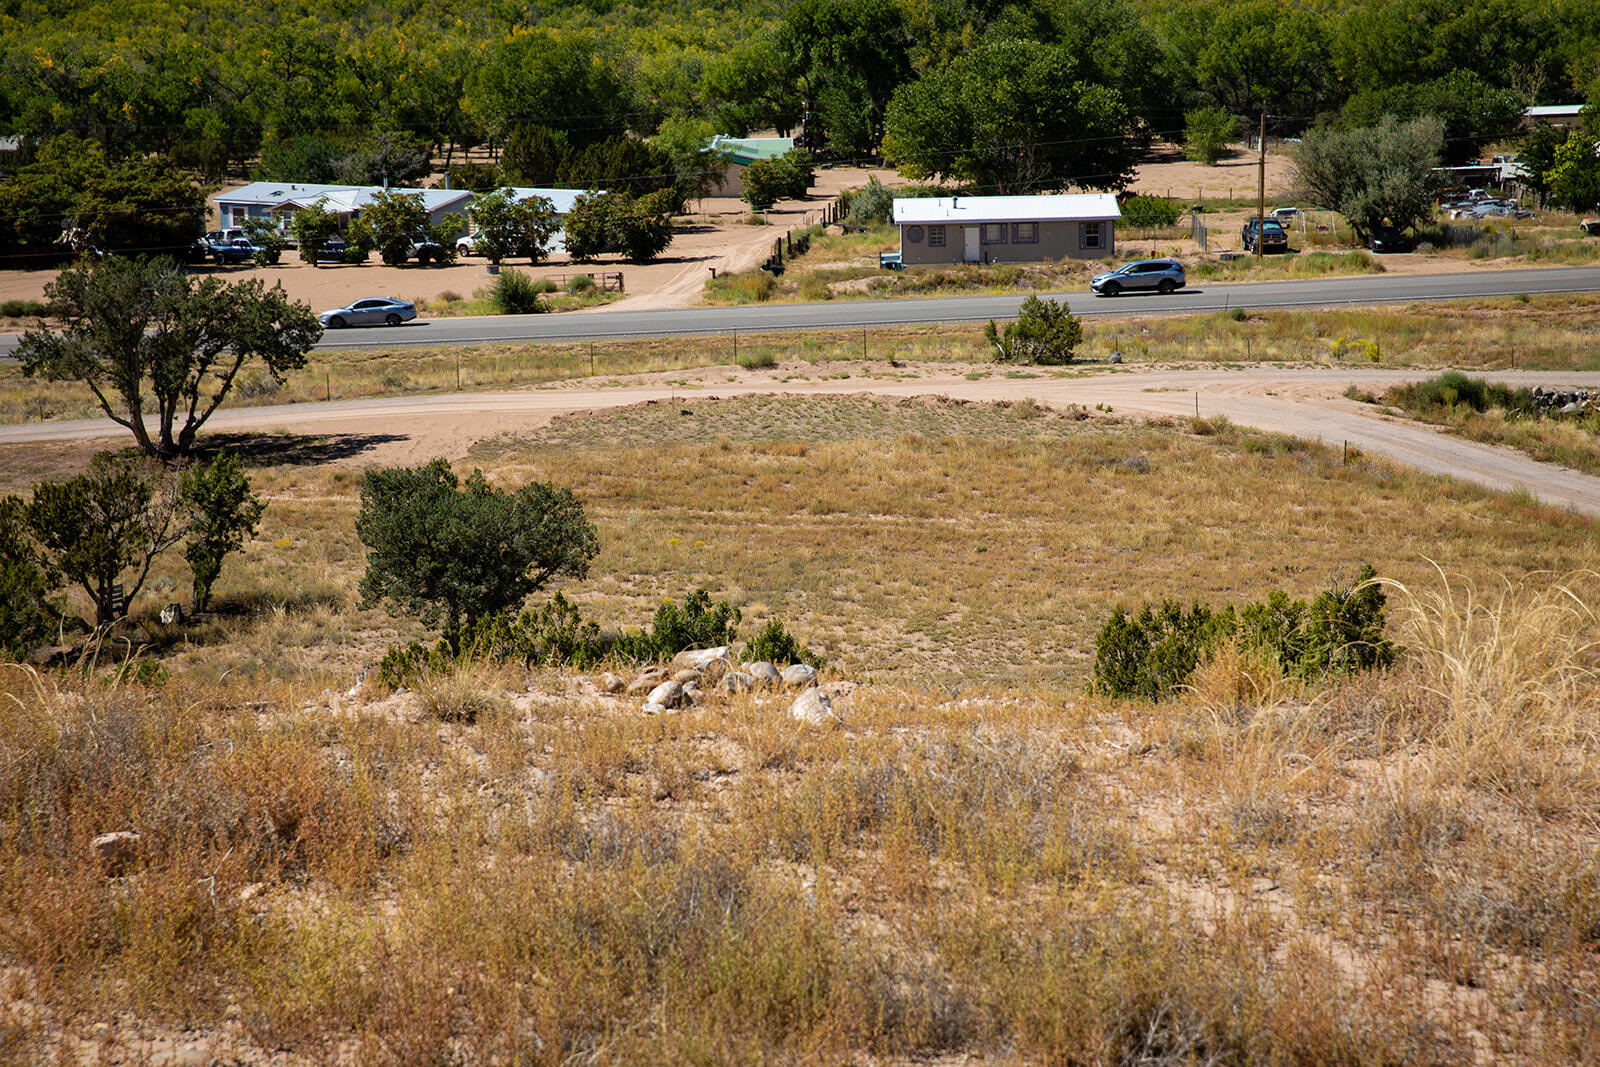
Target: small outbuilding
x: 1006, y: 229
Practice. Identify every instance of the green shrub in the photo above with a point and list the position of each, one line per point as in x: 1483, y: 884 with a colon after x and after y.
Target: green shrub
x: 761, y: 359
x: 1150, y: 654
x: 871, y: 206
x: 514, y: 293
x: 1453, y: 388
x: 775, y: 645
x: 580, y: 283
x: 1045, y: 332
x: 24, y: 309
x: 1149, y: 212
x: 814, y: 288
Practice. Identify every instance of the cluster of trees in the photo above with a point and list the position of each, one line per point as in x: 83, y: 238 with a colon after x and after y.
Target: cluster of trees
x: 1012, y: 95
x: 104, y: 529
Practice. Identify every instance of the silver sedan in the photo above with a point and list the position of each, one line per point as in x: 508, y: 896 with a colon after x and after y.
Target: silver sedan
x: 371, y: 311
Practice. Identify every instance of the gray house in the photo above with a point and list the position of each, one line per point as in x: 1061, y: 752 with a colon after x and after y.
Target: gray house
x: 1006, y: 229
x: 279, y: 200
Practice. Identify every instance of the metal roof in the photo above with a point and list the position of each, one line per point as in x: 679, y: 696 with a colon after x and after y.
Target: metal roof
x: 347, y: 198
x: 976, y: 209
x: 746, y: 150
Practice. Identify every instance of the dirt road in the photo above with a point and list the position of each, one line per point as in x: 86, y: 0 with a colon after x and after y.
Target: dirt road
x: 1305, y: 402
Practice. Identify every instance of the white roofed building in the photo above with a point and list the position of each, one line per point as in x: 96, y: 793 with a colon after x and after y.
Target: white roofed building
x: 279, y: 200
x: 1006, y: 229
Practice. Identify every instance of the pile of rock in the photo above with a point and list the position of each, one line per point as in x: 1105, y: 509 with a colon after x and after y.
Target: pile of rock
x: 1559, y: 402
x: 693, y: 676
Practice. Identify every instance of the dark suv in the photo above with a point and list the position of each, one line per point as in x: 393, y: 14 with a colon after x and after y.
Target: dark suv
x: 1273, y: 239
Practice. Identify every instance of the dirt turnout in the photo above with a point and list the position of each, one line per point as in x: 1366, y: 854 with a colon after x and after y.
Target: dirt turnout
x: 1303, y: 402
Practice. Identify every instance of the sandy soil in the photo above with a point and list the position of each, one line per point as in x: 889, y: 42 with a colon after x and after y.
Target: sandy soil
x: 1306, y: 402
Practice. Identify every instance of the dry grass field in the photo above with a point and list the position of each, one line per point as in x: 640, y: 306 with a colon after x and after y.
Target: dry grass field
x: 982, y: 864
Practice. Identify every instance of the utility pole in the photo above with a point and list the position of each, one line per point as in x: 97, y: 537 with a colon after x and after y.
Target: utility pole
x: 1261, y: 184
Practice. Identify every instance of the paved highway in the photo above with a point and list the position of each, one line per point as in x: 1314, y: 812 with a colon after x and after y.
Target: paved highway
x: 846, y: 314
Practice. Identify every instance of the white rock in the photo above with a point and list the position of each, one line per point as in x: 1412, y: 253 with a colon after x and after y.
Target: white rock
x: 813, y: 708
x: 612, y: 683
x: 699, y: 658
x: 116, y: 851
x: 648, y: 679
x: 739, y: 682
x: 668, y: 694
x: 799, y: 674
x: 763, y: 672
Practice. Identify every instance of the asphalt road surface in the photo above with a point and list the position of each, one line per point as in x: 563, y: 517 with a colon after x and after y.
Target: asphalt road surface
x: 846, y: 314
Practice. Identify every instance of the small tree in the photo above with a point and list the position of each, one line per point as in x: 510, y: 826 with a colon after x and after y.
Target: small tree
x: 507, y: 226
x: 312, y: 226
x: 142, y: 331
x: 696, y: 170
x: 222, y: 513
x: 394, y: 220
x: 1574, y: 174
x: 27, y: 583
x: 116, y: 517
x: 1207, y: 132
x: 453, y: 555
x: 265, y: 236
x: 764, y: 183
x: 1375, y: 176
x: 588, y: 227
x: 1045, y: 332
x: 642, y: 234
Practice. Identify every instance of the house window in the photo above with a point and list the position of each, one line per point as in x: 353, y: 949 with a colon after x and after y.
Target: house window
x: 935, y: 236
x: 1089, y: 235
x: 914, y: 234
x: 994, y: 233
x: 1024, y: 233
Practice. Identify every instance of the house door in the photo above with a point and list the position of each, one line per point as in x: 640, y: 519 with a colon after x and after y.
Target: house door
x: 973, y: 253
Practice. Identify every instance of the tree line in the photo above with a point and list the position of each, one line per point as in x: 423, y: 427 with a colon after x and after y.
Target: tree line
x: 991, y: 93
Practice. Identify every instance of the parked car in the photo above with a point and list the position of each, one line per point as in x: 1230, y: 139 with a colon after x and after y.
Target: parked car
x: 1286, y: 216
x: 1273, y: 238
x: 1387, y: 239
x: 333, y: 250
x: 1157, y: 275
x: 370, y: 311
x: 217, y: 238
x: 238, y: 250
x: 468, y: 245
x: 425, y: 249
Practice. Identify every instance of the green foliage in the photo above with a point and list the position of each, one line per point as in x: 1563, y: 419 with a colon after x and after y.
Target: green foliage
x: 72, y: 198
x: 1045, y: 332
x: 19, y: 309
x: 774, y: 644
x: 265, y: 236
x: 1009, y: 117
x: 393, y: 221
x: 116, y: 517
x: 698, y: 623
x: 454, y: 554
x: 851, y: 55
x: 514, y: 293
x: 1475, y: 113
x: 1151, y: 212
x: 695, y: 171
x: 1151, y: 654
x: 604, y: 221
x: 1574, y: 175
x: 311, y: 227
x: 27, y: 584
x: 1453, y: 388
x: 1207, y: 133
x: 507, y: 226
x: 222, y: 513
x: 1375, y: 176
x: 763, y: 183
x: 138, y: 332
x: 871, y: 206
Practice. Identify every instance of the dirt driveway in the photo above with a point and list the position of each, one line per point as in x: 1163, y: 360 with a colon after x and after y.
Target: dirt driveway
x: 1304, y: 402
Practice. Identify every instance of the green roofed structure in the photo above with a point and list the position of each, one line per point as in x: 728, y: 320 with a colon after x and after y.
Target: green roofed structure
x: 740, y: 152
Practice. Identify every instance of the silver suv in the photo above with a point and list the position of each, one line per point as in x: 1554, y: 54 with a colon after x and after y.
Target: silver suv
x: 1158, y: 275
